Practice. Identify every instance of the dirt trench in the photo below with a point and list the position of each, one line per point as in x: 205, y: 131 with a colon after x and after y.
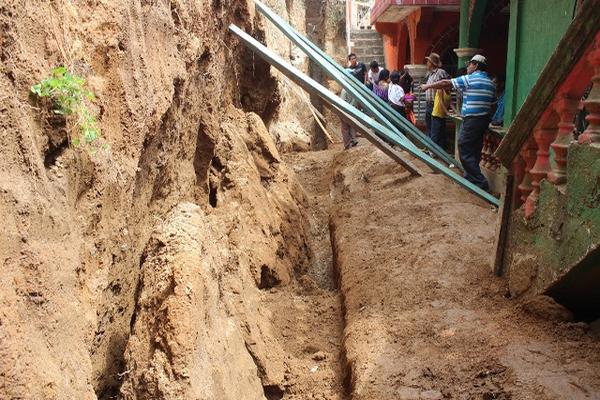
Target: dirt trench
x: 401, y: 299
x: 425, y: 319
x: 189, y: 262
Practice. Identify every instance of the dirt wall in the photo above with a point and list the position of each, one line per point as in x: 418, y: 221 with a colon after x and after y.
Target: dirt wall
x: 121, y: 267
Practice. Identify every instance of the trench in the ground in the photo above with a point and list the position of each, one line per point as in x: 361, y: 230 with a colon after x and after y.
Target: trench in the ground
x: 315, y: 338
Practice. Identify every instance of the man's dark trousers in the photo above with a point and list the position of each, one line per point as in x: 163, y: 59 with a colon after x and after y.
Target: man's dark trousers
x: 428, y: 111
x: 438, y: 131
x: 470, y: 144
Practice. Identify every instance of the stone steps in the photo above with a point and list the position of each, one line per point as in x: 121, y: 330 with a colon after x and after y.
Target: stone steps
x: 368, y: 45
x: 365, y: 33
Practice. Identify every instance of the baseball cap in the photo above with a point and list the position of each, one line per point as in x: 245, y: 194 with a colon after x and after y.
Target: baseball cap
x: 478, y: 58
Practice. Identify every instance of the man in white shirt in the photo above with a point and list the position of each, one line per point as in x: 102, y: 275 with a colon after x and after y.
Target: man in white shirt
x: 373, y: 74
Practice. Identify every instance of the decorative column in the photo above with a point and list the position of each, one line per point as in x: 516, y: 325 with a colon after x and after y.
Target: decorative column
x: 592, y: 133
x: 486, y: 153
x: 417, y: 71
x: 528, y: 155
x: 465, y: 54
x: 543, y: 137
x: 472, y: 14
x: 566, y: 108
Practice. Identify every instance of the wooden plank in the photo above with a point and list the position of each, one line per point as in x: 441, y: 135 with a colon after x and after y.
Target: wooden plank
x: 384, y: 132
x: 502, y: 227
x: 569, y: 50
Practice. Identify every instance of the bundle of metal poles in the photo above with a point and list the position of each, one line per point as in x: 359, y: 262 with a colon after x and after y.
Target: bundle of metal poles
x: 385, y: 123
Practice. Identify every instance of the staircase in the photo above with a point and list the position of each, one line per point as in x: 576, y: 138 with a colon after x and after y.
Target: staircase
x: 368, y: 45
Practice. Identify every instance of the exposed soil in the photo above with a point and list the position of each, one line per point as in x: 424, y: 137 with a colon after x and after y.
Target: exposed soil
x: 425, y: 318
x: 308, y: 315
x: 191, y: 260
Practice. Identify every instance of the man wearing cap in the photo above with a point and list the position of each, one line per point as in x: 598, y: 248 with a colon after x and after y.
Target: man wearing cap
x: 435, y: 73
x: 478, y: 97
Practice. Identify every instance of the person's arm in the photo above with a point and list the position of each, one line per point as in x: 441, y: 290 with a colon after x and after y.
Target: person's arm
x: 401, y: 95
x: 443, y: 84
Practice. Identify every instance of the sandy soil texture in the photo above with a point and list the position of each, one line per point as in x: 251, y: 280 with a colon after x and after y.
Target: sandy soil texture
x: 425, y: 318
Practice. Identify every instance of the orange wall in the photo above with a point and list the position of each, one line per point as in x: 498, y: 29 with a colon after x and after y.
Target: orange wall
x: 423, y: 28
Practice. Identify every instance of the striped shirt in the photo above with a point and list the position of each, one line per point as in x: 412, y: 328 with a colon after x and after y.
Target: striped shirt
x: 433, y: 76
x: 479, y: 93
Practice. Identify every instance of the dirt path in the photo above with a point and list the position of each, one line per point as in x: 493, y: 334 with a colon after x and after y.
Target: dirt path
x: 422, y: 317
x: 309, y: 315
x: 425, y: 318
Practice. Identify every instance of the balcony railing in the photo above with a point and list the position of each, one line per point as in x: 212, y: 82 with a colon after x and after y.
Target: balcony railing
x: 545, y: 153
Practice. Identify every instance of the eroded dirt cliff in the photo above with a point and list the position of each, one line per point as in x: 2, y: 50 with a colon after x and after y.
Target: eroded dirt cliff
x: 138, y: 272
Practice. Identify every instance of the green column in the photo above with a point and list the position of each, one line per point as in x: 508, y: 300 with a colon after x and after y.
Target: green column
x: 476, y: 22
x: 512, y: 60
x: 470, y: 27
x: 463, y: 38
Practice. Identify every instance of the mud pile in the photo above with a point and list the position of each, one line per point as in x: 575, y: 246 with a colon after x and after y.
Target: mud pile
x: 137, y: 271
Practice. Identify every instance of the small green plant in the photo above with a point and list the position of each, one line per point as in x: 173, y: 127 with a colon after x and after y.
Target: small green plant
x: 69, y: 95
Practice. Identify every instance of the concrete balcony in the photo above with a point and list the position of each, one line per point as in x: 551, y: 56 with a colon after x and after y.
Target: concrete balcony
x: 397, y: 10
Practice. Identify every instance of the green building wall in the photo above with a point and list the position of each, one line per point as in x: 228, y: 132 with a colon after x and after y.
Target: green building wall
x: 536, y: 27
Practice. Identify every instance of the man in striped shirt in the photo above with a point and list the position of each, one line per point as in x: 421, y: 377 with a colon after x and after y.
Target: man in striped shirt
x: 479, y: 94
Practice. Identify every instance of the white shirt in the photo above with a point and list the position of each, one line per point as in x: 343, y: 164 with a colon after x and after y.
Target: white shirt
x: 373, y: 77
x: 395, y: 94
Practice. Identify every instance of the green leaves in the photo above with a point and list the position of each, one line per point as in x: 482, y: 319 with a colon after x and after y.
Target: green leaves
x: 69, y: 95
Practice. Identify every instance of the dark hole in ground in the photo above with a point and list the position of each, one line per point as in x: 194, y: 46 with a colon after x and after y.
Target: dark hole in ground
x: 109, y: 383
x: 212, y: 195
x: 203, y: 158
x: 579, y: 289
x: 214, y: 179
x: 58, y: 140
x: 258, y: 91
x: 268, y: 278
x: 273, y: 392
x: 55, y: 151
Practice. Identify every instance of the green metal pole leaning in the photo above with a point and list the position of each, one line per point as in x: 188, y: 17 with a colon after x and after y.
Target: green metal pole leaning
x: 322, y: 59
x: 313, y: 87
x: 340, y: 77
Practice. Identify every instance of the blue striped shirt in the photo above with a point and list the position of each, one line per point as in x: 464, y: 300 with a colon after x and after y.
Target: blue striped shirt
x: 479, y: 93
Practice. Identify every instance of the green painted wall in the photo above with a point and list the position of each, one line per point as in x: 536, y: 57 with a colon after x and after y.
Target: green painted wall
x: 536, y: 27
x: 558, y: 248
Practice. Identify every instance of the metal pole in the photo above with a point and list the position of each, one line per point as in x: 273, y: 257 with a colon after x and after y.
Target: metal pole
x: 383, y: 131
x: 384, y: 110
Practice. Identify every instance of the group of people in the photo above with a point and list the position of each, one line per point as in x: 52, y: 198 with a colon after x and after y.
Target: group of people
x: 394, y: 88
x: 480, y: 100
x: 477, y: 94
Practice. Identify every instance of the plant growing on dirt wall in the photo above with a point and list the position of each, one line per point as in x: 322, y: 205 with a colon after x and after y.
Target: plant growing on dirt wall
x: 69, y: 96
